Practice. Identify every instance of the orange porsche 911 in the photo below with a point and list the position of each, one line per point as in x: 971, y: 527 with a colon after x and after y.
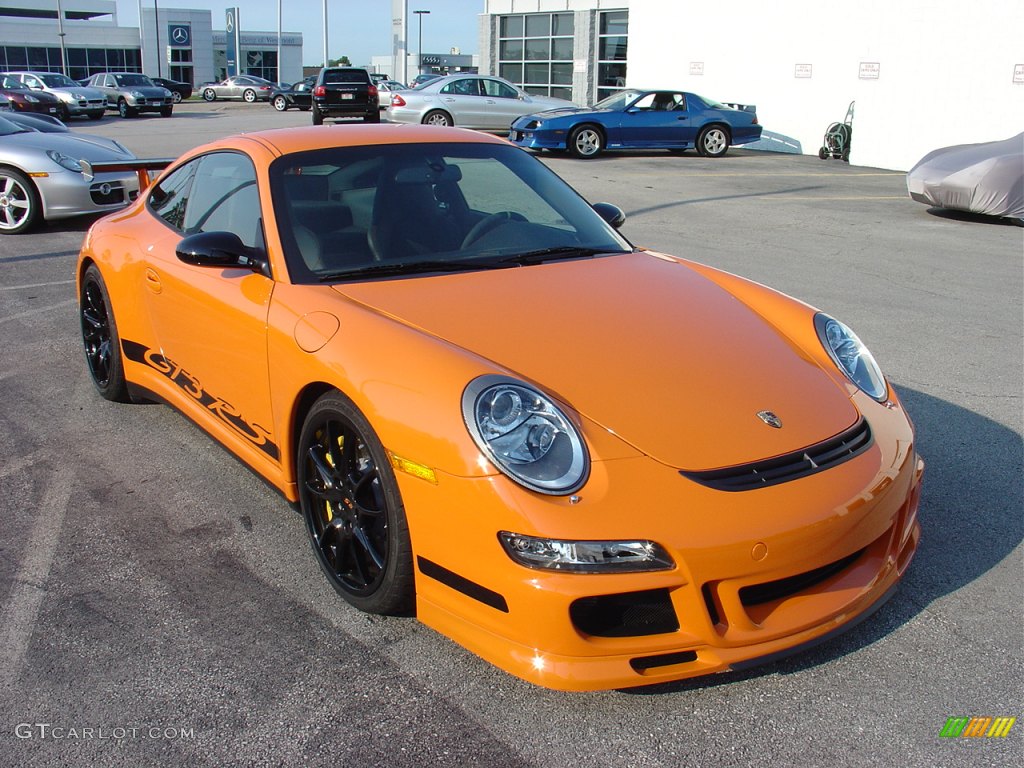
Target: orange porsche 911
x: 594, y: 465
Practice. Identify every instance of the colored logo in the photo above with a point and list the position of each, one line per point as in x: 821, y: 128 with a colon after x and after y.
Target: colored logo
x: 976, y: 727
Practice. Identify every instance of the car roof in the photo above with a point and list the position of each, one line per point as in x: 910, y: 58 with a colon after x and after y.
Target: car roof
x: 289, y: 140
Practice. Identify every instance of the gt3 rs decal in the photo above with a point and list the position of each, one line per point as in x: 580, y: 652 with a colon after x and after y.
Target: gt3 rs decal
x: 190, y: 385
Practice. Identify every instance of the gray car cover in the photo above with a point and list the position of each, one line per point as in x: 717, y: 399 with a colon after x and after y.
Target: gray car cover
x: 983, y: 178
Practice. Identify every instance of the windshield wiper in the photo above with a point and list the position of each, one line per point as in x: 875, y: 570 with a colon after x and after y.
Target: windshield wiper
x: 552, y: 254
x: 414, y: 268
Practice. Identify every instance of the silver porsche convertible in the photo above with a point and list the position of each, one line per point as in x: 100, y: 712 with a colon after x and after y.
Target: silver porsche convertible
x: 41, y: 176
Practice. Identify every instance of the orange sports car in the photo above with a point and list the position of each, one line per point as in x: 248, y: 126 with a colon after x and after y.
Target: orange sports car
x: 594, y: 465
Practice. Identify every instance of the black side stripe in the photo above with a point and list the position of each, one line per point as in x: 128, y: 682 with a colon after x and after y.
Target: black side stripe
x: 462, y: 584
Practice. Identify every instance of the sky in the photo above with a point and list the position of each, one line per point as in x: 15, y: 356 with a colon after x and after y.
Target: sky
x: 359, y: 29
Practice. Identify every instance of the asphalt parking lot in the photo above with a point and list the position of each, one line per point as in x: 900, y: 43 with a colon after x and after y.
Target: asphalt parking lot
x: 161, y: 596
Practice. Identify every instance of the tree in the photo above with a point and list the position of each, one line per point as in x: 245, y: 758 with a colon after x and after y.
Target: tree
x: 340, y: 62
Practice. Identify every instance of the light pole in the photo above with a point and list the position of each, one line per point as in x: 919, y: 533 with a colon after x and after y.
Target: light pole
x: 60, y: 34
x: 325, y: 33
x: 419, y: 45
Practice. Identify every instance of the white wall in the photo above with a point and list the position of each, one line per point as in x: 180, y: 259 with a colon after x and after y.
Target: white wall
x: 945, y: 67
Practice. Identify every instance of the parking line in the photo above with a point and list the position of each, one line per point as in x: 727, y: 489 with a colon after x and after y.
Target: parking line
x: 29, y: 312
x: 29, y: 587
x: 34, y: 285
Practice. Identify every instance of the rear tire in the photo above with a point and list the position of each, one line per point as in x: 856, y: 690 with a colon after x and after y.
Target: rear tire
x: 248, y: 95
x: 99, y: 338
x: 318, y: 116
x: 438, y: 117
x: 713, y: 141
x: 373, y: 117
x: 176, y: 97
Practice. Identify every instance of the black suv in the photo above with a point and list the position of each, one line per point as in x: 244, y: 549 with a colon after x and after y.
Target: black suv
x: 345, y: 92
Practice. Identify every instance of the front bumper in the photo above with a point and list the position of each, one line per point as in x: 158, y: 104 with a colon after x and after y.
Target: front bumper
x: 151, y: 105
x: 79, y: 107
x: 758, y: 573
x: 66, y: 193
x: 532, y: 138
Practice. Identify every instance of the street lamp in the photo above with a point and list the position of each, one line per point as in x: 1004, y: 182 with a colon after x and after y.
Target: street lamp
x: 419, y: 52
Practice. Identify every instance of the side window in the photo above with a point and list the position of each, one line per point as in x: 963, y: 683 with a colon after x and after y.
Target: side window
x: 499, y: 89
x: 462, y: 88
x: 224, y: 198
x: 169, y: 198
x: 645, y: 103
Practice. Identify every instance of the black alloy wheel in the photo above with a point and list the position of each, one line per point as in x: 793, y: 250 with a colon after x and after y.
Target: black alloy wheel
x: 99, y: 338
x: 353, y: 509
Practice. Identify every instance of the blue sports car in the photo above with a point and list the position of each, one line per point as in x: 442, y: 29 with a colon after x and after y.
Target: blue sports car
x: 634, y: 119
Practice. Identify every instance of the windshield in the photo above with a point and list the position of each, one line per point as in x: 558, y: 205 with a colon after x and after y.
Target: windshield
x: 133, y: 80
x: 351, y: 213
x: 617, y: 100
x: 58, y: 81
x: 7, y: 127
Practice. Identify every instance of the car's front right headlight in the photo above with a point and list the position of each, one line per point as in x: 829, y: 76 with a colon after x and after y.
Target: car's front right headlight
x: 64, y: 161
x: 525, y: 435
x: 851, y: 356
x: 31, y: 99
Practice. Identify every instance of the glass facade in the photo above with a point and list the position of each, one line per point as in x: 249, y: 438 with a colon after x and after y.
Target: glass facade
x: 535, y: 51
x: 82, y: 62
x: 612, y: 39
x: 261, y: 64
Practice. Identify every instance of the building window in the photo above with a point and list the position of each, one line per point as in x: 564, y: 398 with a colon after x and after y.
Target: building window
x: 535, y: 52
x: 82, y: 62
x: 613, y: 36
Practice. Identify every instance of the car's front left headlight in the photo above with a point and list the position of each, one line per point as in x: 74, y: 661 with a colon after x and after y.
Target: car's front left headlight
x: 31, y: 99
x: 525, y: 435
x: 64, y: 161
x: 853, y: 358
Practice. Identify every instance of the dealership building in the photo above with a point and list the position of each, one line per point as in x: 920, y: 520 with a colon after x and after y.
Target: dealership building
x: 178, y: 43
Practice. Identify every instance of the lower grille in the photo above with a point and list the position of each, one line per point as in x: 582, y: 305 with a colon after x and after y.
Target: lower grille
x: 106, y: 193
x: 630, y: 614
x: 769, y: 591
x: 790, y: 466
x: 643, y: 663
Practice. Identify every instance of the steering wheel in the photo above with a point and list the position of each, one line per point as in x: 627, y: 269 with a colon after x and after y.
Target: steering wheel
x: 488, y: 223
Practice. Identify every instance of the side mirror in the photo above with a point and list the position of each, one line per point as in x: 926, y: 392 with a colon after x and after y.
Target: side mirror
x: 610, y: 213
x: 221, y: 249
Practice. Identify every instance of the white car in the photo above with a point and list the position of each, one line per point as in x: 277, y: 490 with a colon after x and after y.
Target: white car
x: 468, y: 101
x: 76, y: 99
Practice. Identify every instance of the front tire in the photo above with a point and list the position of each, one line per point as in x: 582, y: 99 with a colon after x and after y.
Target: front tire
x: 209, y: 95
x: 99, y: 338
x: 249, y: 95
x: 280, y: 103
x: 438, y: 117
x: 585, y: 142
x: 353, y: 510
x: 166, y: 111
x: 20, y: 207
x: 124, y: 110
x: 713, y: 141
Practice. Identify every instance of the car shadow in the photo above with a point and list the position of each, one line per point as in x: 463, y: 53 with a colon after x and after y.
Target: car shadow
x: 974, y: 218
x: 676, y: 203
x: 970, y: 520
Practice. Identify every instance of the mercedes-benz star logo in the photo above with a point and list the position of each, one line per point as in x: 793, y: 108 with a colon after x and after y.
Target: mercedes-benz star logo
x: 230, y: 22
x: 770, y: 419
x: 180, y: 35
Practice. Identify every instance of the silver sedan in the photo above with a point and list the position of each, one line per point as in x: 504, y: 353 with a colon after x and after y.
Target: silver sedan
x: 469, y: 101
x: 245, y: 87
x: 41, y: 176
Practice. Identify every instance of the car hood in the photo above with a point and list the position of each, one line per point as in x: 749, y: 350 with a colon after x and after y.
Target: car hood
x: 547, y: 103
x: 148, y: 91
x: 570, y: 111
x: 96, y: 149
x: 81, y: 93
x: 642, y: 345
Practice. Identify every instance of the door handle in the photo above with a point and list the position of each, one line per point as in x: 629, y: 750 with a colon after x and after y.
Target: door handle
x: 153, y: 281
x: 450, y: 101
x: 682, y: 118
x: 491, y: 101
